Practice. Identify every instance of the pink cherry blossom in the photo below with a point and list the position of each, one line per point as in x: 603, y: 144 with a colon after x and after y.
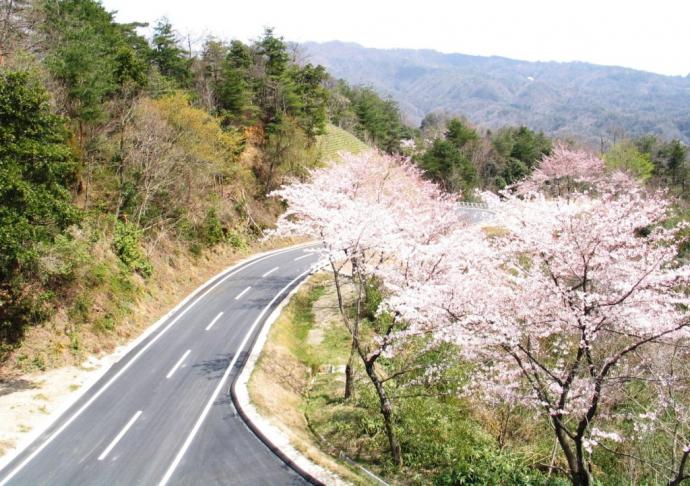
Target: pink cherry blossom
x: 557, y: 302
x: 553, y: 305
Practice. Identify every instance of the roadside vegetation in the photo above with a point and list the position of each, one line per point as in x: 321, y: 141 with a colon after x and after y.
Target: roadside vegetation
x: 298, y: 385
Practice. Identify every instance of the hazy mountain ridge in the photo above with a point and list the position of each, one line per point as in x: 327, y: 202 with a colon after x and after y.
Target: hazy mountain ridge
x: 564, y: 99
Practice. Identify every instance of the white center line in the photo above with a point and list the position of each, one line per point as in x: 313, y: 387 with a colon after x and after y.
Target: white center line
x: 119, y: 436
x: 213, y: 322
x: 177, y: 365
x: 269, y: 272
x: 303, y: 256
x: 221, y: 384
x: 239, y: 296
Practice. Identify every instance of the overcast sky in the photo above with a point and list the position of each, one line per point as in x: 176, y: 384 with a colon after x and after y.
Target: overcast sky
x: 652, y: 35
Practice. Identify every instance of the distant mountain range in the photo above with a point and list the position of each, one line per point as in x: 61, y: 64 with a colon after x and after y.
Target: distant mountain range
x: 571, y: 99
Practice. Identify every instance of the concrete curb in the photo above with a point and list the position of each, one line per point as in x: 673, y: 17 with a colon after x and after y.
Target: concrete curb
x: 272, y: 436
x: 124, y: 350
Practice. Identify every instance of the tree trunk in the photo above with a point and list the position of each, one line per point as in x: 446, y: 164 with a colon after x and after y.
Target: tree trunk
x: 350, y: 368
x: 350, y: 372
x: 582, y: 476
x: 354, y: 331
x: 387, y: 413
x: 573, y: 458
x: 681, y: 476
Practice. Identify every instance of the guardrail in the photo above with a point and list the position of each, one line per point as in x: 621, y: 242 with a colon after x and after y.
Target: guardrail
x: 473, y: 205
x: 475, y: 212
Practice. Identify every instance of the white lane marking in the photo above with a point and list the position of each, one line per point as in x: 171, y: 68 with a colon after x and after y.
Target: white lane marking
x: 303, y: 256
x: 239, y: 296
x: 119, y: 436
x: 95, y: 396
x: 219, y: 387
x: 213, y: 322
x: 269, y: 272
x: 177, y: 365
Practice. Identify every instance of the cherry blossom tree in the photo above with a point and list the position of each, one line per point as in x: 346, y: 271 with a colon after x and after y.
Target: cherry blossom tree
x: 555, y: 308
x: 661, y: 416
x: 371, y: 212
x: 559, y: 303
x: 565, y: 170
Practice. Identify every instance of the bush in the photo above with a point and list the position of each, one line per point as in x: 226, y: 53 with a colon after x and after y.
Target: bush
x: 126, y: 245
x: 63, y: 261
x: 236, y: 240
x: 211, y: 230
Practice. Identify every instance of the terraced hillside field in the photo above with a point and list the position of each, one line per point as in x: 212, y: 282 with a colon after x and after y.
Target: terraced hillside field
x: 337, y: 140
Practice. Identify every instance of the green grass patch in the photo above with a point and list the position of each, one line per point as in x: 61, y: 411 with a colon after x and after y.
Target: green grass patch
x: 337, y: 140
x: 331, y: 350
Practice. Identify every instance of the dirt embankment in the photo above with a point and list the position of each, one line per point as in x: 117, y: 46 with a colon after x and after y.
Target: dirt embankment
x: 305, y: 350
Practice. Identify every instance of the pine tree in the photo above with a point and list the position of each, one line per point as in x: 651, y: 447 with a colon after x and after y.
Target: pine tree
x: 168, y: 56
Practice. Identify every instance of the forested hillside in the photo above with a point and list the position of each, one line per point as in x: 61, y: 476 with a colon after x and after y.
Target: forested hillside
x: 463, y: 157
x: 125, y: 160
x: 562, y: 99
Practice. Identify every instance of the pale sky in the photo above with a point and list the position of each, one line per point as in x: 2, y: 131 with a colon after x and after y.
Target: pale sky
x: 651, y: 35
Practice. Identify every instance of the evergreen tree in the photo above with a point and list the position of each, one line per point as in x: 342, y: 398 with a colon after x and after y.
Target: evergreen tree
x: 233, y: 90
x: 529, y: 146
x: 274, y: 51
x: 446, y: 163
x: 675, y: 154
x: 91, y: 55
x: 460, y: 134
x: 516, y: 152
x: 172, y: 61
x: 36, y: 168
x: 309, y: 86
x: 275, y: 90
x: 378, y: 120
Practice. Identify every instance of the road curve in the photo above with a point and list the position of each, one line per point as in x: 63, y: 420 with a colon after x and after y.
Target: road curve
x: 163, y: 414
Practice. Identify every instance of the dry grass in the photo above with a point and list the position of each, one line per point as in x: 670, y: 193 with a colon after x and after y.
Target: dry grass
x: 177, y: 273
x: 495, y: 231
x: 6, y: 445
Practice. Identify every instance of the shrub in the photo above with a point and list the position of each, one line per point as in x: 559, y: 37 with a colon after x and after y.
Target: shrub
x: 36, y: 168
x: 211, y: 230
x: 236, y: 240
x: 127, y: 248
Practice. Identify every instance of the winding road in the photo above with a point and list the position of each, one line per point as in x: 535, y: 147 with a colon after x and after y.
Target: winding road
x: 163, y: 413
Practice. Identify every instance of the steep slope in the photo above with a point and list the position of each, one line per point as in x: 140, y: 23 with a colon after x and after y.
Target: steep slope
x: 337, y: 140
x: 563, y: 99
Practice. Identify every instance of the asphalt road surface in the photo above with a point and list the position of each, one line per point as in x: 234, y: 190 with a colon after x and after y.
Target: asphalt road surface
x: 163, y: 413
